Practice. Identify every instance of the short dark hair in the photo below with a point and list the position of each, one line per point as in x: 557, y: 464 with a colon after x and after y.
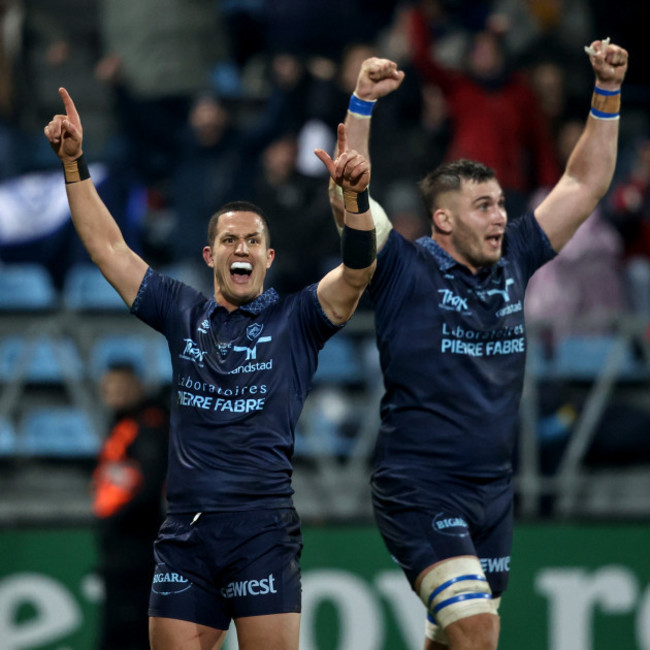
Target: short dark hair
x: 238, y: 206
x: 448, y: 177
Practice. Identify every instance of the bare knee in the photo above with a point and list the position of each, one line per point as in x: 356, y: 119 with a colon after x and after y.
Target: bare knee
x: 478, y: 632
x: 173, y: 634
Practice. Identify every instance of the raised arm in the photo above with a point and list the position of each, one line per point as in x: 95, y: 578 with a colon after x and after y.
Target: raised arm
x: 591, y: 165
x: 377, y: 78
x: 340, y: 290
x: 94, y: 224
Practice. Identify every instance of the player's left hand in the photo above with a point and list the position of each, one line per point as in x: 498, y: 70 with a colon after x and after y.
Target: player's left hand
x: 609, y: 62
x: 377, y: 78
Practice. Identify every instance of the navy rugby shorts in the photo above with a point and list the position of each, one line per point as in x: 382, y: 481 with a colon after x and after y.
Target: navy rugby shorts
x: 462, y: 517
x: 227, y: 565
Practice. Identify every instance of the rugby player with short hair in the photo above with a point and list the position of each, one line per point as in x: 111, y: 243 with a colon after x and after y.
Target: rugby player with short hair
x: 242, y: 361
x: 451, y: 335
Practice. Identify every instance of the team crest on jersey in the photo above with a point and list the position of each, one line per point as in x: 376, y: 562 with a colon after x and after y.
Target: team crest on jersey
x: 253, y: 331
x: 204, y: 326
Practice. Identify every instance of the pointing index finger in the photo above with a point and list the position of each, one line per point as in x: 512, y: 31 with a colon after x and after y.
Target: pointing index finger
x: 340, y: 134
x: 70, y: 108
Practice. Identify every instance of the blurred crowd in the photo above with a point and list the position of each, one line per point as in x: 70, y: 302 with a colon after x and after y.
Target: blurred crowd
x: 189, y: 104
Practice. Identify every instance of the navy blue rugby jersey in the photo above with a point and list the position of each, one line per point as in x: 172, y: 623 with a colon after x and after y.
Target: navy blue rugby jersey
x: 239, y: 383
x: 452, y: 350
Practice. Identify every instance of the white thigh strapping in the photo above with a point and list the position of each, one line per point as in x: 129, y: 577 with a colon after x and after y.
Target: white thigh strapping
x: 456, y: 589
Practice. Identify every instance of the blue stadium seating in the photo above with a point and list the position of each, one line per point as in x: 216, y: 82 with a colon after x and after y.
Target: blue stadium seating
x: 583, y: 358
x: 57, y: 432
x: 536, y: 362
x: 26, y: 286
x: 339, y: 361
x: 86, y: 289
x: 47, y: 360
x: 148, y: 354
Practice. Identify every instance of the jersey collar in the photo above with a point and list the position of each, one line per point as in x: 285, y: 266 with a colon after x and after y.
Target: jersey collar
x: 255, y: 306
x: 444, y: 260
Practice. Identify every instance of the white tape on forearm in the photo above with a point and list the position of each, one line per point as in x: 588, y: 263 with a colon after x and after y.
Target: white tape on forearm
x: 383, y: 226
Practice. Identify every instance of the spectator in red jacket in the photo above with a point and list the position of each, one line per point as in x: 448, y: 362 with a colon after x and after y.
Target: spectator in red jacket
x: 494, y: 113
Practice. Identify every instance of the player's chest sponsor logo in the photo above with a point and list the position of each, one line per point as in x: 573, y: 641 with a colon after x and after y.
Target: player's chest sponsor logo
x: 504, y: 293
x: 250, y: 345
x: 452, y: 301
x: 482, y: 343
x: 192, y: 352
x: 247, y: 350
x: 235, y: 399
x: 510, y: 307
x: 253, y: 335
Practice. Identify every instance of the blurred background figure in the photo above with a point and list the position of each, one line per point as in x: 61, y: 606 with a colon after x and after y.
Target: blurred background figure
x: 156, y: 57
x: 630, y: 214
x: 537, y: 28
x: 211, y: 159
x: 128, y: 504
x: 306, y: 244
x: 494, y: 113
x: 582, y: 289
x: 10, y: 17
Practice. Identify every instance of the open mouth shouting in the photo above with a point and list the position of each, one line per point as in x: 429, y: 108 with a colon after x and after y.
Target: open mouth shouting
x: 495, y: 241
x: 240, y: 272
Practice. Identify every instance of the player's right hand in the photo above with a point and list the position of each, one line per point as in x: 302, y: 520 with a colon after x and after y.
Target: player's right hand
x: 350, y: 170
x: 64, y: 132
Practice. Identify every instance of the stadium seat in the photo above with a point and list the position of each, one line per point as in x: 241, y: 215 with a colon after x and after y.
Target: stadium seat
x: 149, y: 355
x: 57, y: 432
x: 86, y: 289
x: 536, y: 362
x: 338, y: 362
x: 46, y: 360
x: 583, y: 358
x: 26, y: 286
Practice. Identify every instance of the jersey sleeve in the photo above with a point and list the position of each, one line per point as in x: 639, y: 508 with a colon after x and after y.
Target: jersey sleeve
x: 392, y: 273
x: 160, y: 298
x: 527, y: 245
x: 313, y: 322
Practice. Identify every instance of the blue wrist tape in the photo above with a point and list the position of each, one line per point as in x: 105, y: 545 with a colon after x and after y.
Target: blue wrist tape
x: 361, y: 106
